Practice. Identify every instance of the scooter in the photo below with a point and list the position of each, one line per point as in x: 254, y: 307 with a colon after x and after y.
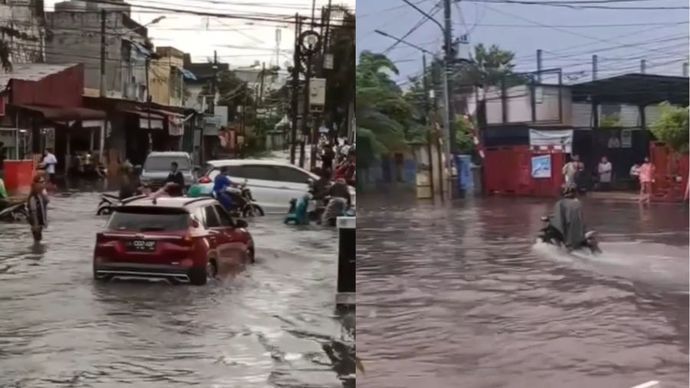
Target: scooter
x: 108, y: 203
x: 14, y: 212
x: 550, y: 235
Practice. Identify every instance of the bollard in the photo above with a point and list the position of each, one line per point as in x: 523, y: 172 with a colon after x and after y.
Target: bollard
x: 649, y: 384
x: 347, y: 250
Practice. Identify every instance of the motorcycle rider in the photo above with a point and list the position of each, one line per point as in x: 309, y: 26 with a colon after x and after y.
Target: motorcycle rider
x: 567, y: 218
x: 221, y: 183
x: 175, y: 175
x: 339, y: 203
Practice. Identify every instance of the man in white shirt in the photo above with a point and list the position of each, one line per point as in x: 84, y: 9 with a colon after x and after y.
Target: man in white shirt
x: 49, y: 163
x: 605, y: 170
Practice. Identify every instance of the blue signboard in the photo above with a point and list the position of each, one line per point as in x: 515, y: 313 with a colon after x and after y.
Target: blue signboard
x: 541, y: 166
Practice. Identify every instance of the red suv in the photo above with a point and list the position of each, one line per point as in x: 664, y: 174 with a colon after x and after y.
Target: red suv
x: 181, y: 239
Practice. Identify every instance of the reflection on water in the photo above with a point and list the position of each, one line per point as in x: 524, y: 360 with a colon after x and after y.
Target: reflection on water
x: 265, y: 327
x: 461, y: 297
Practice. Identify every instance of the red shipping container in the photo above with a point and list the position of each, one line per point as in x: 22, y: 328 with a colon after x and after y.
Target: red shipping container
x: 671, y: 173
x: 18, y: 176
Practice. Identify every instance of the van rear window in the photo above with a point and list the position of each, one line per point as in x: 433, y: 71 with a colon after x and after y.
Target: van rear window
x: 162, y: 163
x: 148, y: 220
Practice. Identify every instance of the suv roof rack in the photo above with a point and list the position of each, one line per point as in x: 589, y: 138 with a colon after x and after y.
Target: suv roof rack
x: 130, y: 199
x: 198, y: 199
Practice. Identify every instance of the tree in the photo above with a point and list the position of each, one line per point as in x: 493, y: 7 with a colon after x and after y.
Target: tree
x: 672, y: 127
x: 232, y: 91
x: 383, y: 114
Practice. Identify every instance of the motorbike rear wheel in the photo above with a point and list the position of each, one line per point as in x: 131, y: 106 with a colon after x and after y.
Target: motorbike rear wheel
x: 252, y: 210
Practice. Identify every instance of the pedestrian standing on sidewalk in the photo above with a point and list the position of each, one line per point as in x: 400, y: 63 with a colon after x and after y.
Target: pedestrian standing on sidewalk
x: 635, y: 176
x: 49, y: 162
x: 327, y: 158
x: 604, y: 171
x: 570, y: 170
x: 646, y: 179
x: 37, y: 206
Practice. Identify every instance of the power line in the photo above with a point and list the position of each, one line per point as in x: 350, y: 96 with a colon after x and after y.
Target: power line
x: 555, y: 28
x: 574, y: 5
x: 420, y: 23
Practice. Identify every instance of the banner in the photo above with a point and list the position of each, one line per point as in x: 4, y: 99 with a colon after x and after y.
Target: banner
x: 541, y: 166
x: 563, y: 138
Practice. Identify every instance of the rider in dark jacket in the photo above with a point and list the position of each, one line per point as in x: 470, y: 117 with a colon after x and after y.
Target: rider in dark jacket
x: 568, y: 219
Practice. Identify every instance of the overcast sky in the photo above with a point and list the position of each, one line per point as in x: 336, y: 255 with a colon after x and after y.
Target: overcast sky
x: 238, y: 42
x: 657, y: 36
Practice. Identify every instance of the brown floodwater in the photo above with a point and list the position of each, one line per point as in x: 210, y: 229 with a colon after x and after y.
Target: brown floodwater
x: 461, y: 296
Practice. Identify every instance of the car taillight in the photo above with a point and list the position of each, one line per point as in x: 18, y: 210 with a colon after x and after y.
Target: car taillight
x: 204, y: 179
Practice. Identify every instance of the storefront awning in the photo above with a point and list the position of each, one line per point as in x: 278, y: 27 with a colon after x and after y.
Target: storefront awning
x: 62, y: 114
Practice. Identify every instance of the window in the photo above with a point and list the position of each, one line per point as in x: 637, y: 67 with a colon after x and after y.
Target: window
x: 212, y: 220
x: 225, y: 219
x: 267, y: 173
x: 199, y: 215
x: 292, y: 175
x: 148, y: 220
x: 162, y: 163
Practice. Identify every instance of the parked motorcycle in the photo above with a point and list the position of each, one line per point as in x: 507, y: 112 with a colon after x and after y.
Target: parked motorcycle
x: 551, y: 235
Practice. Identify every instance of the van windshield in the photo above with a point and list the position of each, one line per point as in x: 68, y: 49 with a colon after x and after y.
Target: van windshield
x: 162, y: 163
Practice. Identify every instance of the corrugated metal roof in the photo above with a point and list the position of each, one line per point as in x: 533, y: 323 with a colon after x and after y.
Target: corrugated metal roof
x: 32, y: 72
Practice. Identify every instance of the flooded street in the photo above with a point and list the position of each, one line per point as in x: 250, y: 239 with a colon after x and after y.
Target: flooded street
x: 461, y: 296
x: 263, y: 328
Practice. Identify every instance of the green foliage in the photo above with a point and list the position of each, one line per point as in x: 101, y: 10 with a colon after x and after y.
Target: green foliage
x: 672, y: 127
x: 233, y: 92
x: 388, y: 118
x: 463, y: 135
x: 610, y: 121
x: 383, y: 114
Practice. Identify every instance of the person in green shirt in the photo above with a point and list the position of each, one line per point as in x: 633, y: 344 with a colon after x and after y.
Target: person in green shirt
x: 3, y: 192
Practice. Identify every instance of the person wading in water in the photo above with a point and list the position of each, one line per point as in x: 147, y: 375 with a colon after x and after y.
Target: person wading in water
x: 37, y: 205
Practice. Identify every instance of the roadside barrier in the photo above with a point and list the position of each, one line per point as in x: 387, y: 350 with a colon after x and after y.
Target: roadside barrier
x: 347, y: 251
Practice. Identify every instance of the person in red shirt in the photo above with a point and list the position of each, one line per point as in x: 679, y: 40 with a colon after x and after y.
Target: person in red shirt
x: 347, y: 169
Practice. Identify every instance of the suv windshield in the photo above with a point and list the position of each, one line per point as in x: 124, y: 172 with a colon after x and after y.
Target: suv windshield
x: 148, y: 220
x: 162, y: 163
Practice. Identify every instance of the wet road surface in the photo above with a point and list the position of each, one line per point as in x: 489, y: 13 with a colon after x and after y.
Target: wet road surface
x: 462, y: 297
x: 263, y: 328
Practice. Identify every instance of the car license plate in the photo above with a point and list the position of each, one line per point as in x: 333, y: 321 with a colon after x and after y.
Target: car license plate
x: 141, y: 245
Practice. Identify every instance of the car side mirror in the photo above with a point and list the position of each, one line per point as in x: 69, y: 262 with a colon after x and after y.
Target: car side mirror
x: 195, y: 223
x: 241, y: 224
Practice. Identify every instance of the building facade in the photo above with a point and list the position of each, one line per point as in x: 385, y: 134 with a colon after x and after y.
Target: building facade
x: 22, y: 30
x: 74, y: 36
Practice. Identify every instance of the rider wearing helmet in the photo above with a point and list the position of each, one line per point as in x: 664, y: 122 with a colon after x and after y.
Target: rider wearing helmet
x: 221, y: 183
x: 568, y: 220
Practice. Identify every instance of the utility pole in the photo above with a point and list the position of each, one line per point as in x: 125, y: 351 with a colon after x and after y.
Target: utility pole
x: 305, y: 112
x: 539, y: 65
x: 261, y: 83
x: 295, y: 89
x: 595, y: 67
x: 427, y: 121
x: 103, y: 52
x: 448, y: 38
x: 643, y: 66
